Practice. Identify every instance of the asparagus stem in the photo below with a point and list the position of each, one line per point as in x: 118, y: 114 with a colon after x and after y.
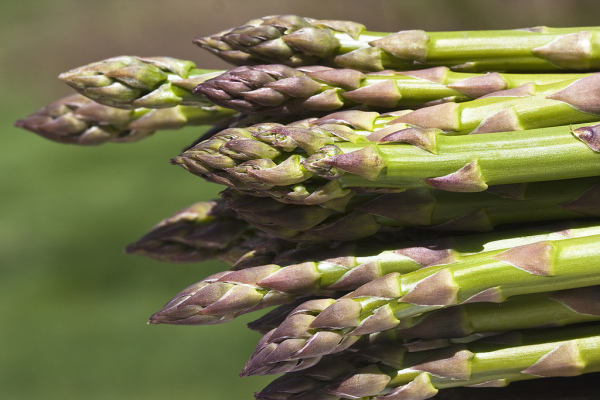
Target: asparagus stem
x: 317, y: 160
x: 334, y: 269
x: 360, y: 215
x: 562, y: 352
x: 282, y: 90
x: 423, y: 331
x: 331, y: 325
x: 78, y: 120
x: 296, y: 41
x: 133, y: 82
x: 529, y: 106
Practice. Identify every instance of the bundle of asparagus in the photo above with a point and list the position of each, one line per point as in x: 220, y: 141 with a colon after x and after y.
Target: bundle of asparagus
x: 420, y: 228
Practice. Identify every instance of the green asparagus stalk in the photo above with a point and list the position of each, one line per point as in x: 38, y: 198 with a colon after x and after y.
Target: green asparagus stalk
x: 361, y: 215
x: 221, y: 297
x: 78, y: 120
x: 296, y: 41
x: 529, y: 106
x: 382, y: 304
x: 282, y: 90
x: 318, y: 160
x: 202, y: 231
x: 140, y: 82
x: 565, y: 352
x: 543, y: 310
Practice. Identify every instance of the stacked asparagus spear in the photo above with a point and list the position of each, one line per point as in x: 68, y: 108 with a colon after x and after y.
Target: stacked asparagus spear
x: 420, y: 206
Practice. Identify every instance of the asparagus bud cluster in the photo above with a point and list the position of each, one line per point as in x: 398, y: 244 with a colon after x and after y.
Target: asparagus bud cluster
x: 421, y: 208
x: 202, y: 231
x: 133, y: 82
x: 76, y: 119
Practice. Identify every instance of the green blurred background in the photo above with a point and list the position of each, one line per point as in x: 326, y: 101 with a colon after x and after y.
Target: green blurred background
x: 73, y: 305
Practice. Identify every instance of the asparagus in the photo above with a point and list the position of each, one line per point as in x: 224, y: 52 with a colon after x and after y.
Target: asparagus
x: 460, y: 322
x: 318, y: 160
x: 133, y: 82
x: 223, y: 296
x: 199, y: 232
x: 296, y: 41
x: 78, y: 120
x: 529, y: 106
x: 547, y: 265
x: 282, y: 90
x: 361, y: 215
x: 213, y: 230
x: 565, y: 352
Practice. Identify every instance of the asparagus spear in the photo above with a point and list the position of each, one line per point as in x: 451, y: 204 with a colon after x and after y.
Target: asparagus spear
x: 133, y: 82
x: 460, y: 322
x: 317, y: 160
x: 527, y: 107
x: 360, y: 215
x: 385, y: 302
x: 199, y: 232
x: 296, y: 41
x: 563, y: 352
x: 338, y: 268
x: 214, y: 230
x: 281, y: 90
x: 78, y: 120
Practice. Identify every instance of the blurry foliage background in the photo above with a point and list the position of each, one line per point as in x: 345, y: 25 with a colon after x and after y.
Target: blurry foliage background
x: 73, y: 305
